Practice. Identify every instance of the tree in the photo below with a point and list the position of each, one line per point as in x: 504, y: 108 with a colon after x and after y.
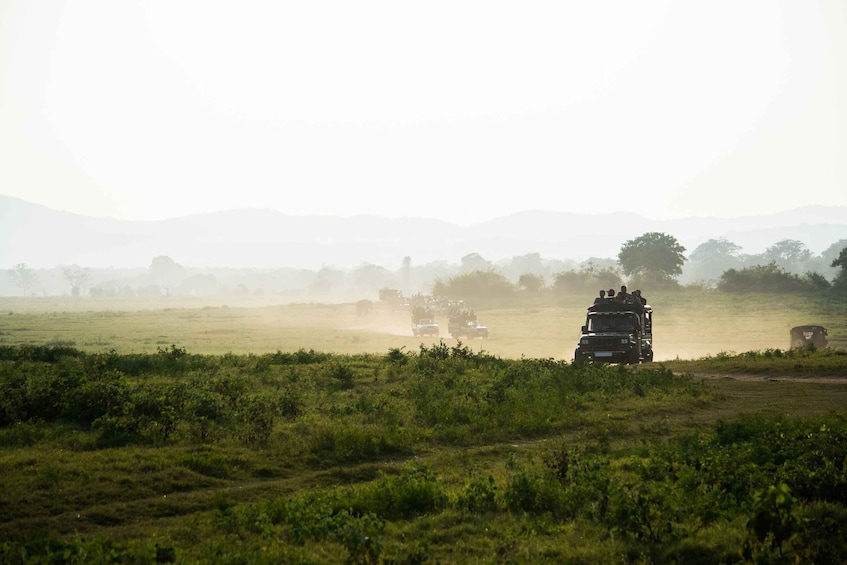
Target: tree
x: 770, y: 278
x: 77, y: 277
x: 166, y: 272
x: 589, y: 278
x: 790, y: 254
x: 475, y: 262
x: 475, y: 285
x: 654, y: 257
x: 530, y: 263
x: 326, y: 279
x: 840, y: 262
x: 711, y: 259
x: 827, y: 257
x: 23, y: 277
x: 371, y: 277
x: 531, y: 282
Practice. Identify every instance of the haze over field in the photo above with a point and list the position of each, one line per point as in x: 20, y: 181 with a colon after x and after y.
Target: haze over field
x: 458, y: 111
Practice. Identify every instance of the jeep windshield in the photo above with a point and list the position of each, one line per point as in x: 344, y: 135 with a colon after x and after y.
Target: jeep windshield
x: 606, y: 323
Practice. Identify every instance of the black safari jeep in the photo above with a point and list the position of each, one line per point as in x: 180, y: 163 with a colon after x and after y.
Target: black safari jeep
x: 616, y: 332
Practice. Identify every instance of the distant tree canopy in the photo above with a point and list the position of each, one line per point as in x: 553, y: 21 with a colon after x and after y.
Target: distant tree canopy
x: 531, y: 263
x: 475, y: 262
x: 23, y: 277
x: 653, y: 258
x: 475, y: 285
x: 531, y: 282
x: 832, y: 252
x: 372, y: 276
x: 78, y: 277
x: 840, y: 262
x: 770, y: 278
x: 790, y: 254
x: 711, y: 259
x: 166, y: 272
x: 589, y: 279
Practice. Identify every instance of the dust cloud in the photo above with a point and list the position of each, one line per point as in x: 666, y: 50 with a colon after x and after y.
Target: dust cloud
x: 680, y: 331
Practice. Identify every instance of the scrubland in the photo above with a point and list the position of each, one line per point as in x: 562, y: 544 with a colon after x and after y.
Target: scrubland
x: 299, y: 433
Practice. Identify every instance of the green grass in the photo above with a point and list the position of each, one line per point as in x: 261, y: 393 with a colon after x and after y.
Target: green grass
x: 804, y: 363
x: 256, y: 433
x: 442, y: 455
x: 688, y: 324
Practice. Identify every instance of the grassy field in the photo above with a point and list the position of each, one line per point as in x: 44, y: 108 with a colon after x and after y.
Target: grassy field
x: 251, y: 432
x: 687, y: 325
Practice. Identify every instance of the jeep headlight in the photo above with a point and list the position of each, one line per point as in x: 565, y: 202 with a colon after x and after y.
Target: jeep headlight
x: 624, y: 340
x: 583, y: 341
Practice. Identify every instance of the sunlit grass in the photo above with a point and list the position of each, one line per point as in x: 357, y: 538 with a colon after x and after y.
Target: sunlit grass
x: 688, y: 325
x: 355, y: 401
x: 807, y: 363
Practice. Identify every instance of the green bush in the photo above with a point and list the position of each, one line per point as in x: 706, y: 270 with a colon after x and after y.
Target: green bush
x: 478, y: 495
x: 412, y: 492
x: 768, y: 279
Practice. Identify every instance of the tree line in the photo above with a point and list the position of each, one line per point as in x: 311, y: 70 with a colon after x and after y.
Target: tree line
x: 652, y: 260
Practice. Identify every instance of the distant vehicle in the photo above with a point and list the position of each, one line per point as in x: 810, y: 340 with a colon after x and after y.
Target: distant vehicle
x: 463, y: 323
x: 469, y: 329
x: 804, y: 336
x: 392, y: 297
x: 425, y: 326
x: 616, y: 332
x: 390, y: 294
x: 423, y: 322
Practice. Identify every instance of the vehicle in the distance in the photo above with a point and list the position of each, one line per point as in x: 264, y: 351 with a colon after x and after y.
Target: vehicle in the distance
x: 469, y: 329
x: 423, y: 322
x: 804, y: 336
x: 464, y: 323
x: 616, y: 332
x: 425, y: 326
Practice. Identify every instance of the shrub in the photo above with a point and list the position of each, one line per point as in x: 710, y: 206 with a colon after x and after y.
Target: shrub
x: 589, y: 278
x: 257, y: 418
x: 765, y: 278
x: 342, y: 374
x: 478, y: 495
x: 414, y: 491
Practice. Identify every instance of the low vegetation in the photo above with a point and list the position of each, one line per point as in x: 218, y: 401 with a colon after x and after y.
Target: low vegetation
x: 803, y: 362
x: 441, y: 454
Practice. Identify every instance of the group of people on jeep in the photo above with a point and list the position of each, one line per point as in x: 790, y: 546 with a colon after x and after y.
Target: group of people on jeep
x: 461, y: 315
x: 422, y: 312
x: 621, y: 296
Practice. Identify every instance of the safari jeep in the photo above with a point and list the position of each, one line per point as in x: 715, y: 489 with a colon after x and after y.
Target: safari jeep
x: 424, y: 326
x: 616, y: 332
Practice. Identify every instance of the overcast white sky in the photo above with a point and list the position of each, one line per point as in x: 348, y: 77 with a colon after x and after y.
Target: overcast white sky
x: 458, y: 110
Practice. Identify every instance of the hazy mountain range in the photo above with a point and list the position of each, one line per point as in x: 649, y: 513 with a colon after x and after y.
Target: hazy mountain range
x: 43, y: 238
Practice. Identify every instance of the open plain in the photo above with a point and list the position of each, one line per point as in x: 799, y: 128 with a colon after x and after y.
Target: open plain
x: 248, y: 431
x: 688, y: 324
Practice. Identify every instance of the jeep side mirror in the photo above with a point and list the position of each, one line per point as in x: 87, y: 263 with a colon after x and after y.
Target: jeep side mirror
x: 584, y: 329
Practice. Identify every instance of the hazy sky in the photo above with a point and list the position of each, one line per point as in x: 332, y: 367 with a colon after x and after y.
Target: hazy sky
x: 458, y: 110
